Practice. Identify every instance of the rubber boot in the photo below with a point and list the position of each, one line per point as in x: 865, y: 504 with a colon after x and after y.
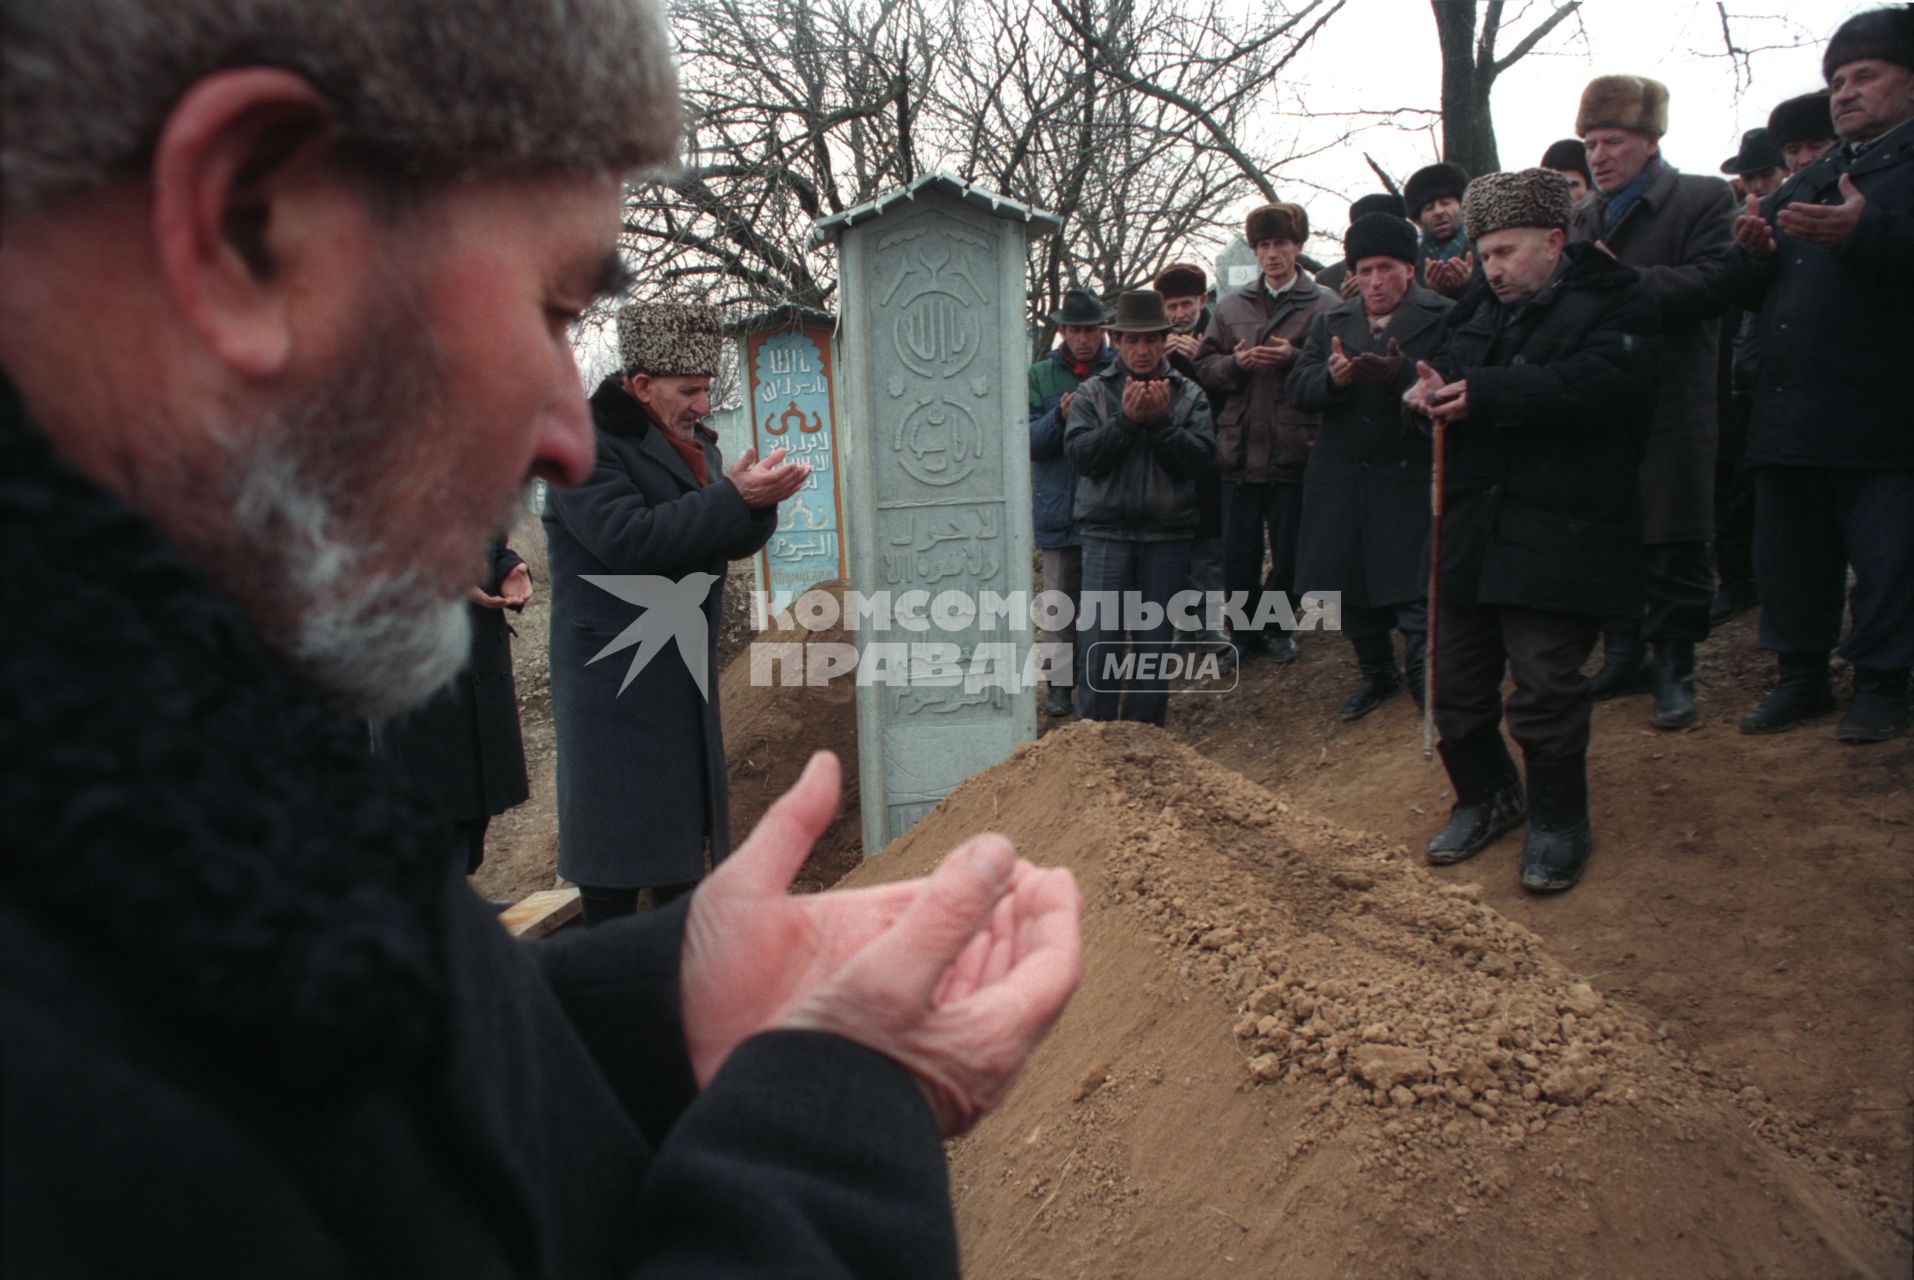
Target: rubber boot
x: 1415, y: 659
x: 1672, y: 671
x: 1376, y: 659
x: 1624, y: 667
x: 1802, y: 693
x: 1488, y: 797
x: 1559, y: 839
x: 1880, y: 707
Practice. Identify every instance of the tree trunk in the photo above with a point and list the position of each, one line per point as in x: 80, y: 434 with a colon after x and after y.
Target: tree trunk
x: 1468, y: 130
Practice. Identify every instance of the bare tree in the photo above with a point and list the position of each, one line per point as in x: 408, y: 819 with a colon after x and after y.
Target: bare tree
x: 1470, y: 67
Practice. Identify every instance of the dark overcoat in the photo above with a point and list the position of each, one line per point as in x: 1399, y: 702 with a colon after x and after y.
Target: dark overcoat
x: 463, y: 746
x: 1261, y: 438
x: 255, y: 1024
x: 1831, y: 384
x: 1679, y: 235
x: 1541, y: 505
x: 1136, y: 481
x: 1209, y: 482
x: 1366, y: 494
x: 641, y: 772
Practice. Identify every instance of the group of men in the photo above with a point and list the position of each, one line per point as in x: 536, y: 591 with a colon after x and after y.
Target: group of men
x: 1558, y: 333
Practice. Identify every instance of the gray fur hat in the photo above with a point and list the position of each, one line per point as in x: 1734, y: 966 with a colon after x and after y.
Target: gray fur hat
x: 1523, y: 198
x: 1886, y: 33
x: 670, y: 339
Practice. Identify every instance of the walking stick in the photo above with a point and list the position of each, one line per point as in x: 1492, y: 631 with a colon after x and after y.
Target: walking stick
x: 1435, y: 581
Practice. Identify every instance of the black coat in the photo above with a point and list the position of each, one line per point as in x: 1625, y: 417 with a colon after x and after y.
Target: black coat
x: 1138, y: 482
x: 1835, y: 324
x: 1366, y: 493
x: 254, y: 1025
x: 641, y: 772
x: 463, y: 747
x: 1541, y: 502
x: 1209, y: 481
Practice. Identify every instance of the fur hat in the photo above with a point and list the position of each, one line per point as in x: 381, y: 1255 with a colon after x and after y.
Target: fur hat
x: 670, y: 339
x: 1432, y: 183
x: 1801, y: 119
x: 1276, y: 222
x: 1379, y: 202
x: 1623, y: 102
x: 1885, y: 33
x: 1524, y: 198
x: 1140, y: 311
x: 1380, y: 235
x: 1568, y: 156
x: 1757, y: 153
x: 1181, y: 280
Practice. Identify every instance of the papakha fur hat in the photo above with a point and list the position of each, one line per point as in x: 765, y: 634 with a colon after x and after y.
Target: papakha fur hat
x: 670, y: 339
x: 1801, y: 119
x: 1276, y: 222
x: 1623, y: 102
x: 1886, y: 33
x: 1380, y: 235
x: 1376, y: 202
x: 1523, y: 198
x: 1433, y: 182
x: 1181, y: 280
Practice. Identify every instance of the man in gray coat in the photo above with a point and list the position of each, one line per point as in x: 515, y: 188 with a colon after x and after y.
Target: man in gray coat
x: 1676, y: 230
x: 642, y: 787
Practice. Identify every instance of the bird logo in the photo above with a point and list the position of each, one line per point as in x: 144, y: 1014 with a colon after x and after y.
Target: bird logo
x: 673, y: 611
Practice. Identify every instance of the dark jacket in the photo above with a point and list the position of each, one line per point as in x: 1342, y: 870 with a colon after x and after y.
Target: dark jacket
x: 641, y: 772
x: 1137, y: 482
x: 463, y: 746
x: 1366, y: 494
x: 1261, y: 438
x: 1679, y: 235
x: 1209, y: 482
x: 1053, y: 481
x: 255, y: 1025
x: 1835, y: 323
x: 1541, y: 504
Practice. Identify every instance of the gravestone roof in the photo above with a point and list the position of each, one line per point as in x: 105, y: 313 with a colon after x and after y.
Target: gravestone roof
x: 936, y: 180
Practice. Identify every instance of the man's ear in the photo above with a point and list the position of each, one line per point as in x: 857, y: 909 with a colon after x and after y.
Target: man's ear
x: 638, y: 387
x: 237, y: 198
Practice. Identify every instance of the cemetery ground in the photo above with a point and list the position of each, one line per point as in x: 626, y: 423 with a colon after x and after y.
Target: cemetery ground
x: 1298, y: 1051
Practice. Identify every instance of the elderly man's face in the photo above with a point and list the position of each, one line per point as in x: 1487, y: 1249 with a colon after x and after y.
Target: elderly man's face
x: 1383, y: 282
x: 1440, y: 218
x: 1183, y: 312
x: 1617, y: 156
x: 1868, y: 96
x: 1082, y: 341
x: 1141, y: 353
x: 1277, y: 259
x: 676, y: 404
x: 1518, y: 261
x: 1800, y: 155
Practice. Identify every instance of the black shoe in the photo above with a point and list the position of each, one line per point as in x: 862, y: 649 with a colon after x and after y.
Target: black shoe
x: 1415, y: 656
x: 1624, y: 667
x: 1376, y: 659
x: 1672, y: 671
x: 1057, y: 705
x: 1802, y: 694
x: 1280, y: 647
x: 1559, y: 840
x: 1489, y: 798
x: 1730, y: 602
x: 1880, y: 708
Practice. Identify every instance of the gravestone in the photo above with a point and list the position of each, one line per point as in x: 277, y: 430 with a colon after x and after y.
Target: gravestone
x: 1236, y: 266
x: 936, y: 453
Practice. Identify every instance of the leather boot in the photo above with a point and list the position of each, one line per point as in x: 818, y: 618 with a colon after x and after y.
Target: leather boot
x: 1280, y: 645
x: 1624, y: 667
x: 1559, y: 839
x: 1415, y: 659
x: 1376, y: 659
x: 1488, y: 797
x: 1880, y: 706
x: 1672, y: 671
x: 1802, y: 694
x: 1057, y: 705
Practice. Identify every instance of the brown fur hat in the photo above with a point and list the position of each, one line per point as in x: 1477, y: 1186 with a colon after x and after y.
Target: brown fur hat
x: 1181, y: 280
x: 1276, y: 222
x: 1623, y: 102
x: 1886, y: 33
x: 670, y: 339
x: 1524, y: 198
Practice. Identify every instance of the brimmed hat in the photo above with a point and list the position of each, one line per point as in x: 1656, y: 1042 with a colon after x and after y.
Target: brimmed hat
x: 1525, y: 198
x: 1081, y: 307
x: 1801, y: 119
x: 1887, y: 34
x: 1431, y: 183
x: 1140, y: 311
x: 1377, y: 202
x: 1568, y: 156
x: 1757, y: 153
x: 1276, y: 222
x: 670, y: 339
x: 1380, y: 235
x: 1623, y: 102
x: 1181, y: 280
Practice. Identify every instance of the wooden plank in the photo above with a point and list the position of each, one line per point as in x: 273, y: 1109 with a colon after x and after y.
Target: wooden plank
x: 538, y: 914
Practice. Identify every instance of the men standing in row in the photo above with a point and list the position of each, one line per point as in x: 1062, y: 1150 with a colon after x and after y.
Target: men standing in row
x: 1139, y: 434
x: 1080, y: 352
x: 1185, y: 289
x: 1803, y: 128
x: 1544, y: 389
x: 1433, y: 196
x: 1676, y: 230
x: 1829, y: 261
x: 642, y: 784
x: 1366, y: 494
x: 1262, y: 440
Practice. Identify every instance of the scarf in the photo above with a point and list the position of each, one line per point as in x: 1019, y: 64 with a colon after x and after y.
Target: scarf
x: 1619, y: 202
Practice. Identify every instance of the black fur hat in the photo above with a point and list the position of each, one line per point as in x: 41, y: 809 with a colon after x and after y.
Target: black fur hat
x: 1379, y: 202
x: 1380, y: 235
x: 1801, y: 119
x: 1886, y: 33
x: 1433, y: 182
x: 1568, y: 155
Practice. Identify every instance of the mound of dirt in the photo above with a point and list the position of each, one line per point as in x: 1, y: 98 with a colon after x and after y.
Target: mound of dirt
x: 1296, y: 1053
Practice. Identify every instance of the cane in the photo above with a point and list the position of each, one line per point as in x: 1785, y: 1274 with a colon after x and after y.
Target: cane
x: 1435, y: 580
